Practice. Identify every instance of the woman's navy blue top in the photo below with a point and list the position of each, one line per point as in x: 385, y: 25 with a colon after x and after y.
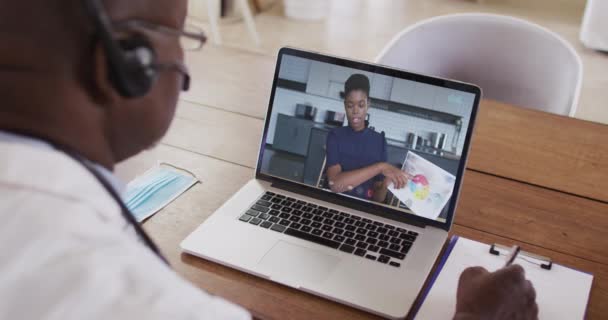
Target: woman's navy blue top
x: 355, y: 150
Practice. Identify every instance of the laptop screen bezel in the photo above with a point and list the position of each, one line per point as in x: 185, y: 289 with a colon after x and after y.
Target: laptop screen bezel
x: 362, y: 205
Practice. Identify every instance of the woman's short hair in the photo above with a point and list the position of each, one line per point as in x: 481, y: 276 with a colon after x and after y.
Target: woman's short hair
x: 357, y: 81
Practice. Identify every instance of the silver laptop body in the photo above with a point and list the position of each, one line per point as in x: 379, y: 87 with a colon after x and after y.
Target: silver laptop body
x: 286, y: 226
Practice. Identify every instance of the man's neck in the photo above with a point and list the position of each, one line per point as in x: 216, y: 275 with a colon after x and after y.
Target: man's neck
x: 37, y: 105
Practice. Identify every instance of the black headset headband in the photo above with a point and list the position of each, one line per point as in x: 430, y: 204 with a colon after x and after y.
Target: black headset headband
x: 130, y: 76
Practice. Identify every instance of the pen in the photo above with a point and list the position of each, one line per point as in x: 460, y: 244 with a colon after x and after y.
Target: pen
x: 512, y: 255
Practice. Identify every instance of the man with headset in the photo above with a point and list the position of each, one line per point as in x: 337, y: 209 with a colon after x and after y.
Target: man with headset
x: 84, y: 85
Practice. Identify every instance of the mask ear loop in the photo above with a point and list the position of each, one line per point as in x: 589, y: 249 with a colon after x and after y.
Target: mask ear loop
x: 198, y: 180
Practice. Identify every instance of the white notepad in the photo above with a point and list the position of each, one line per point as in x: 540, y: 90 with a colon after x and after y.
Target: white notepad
x: 561, y: 293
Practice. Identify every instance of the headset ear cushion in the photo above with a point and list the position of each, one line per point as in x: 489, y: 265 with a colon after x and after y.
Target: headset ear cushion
x: 140, y: 58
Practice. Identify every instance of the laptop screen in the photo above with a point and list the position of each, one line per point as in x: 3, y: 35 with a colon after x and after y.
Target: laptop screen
x: 390, y: 139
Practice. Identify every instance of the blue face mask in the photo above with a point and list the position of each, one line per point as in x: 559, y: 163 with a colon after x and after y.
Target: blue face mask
x: 154, y: 190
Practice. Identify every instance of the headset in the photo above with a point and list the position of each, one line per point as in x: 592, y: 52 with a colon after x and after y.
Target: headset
x: 130, y: 61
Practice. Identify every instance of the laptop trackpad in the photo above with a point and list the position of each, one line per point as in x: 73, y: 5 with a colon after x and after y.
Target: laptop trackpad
x: 295, y: 265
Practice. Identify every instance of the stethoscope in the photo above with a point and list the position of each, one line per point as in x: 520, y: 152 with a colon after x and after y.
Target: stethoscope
x: 126, y: 213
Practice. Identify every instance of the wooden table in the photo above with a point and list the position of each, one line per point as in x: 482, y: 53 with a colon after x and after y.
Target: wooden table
x: 533, y: 178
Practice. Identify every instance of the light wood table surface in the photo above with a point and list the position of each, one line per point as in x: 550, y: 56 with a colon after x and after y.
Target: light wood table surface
x: 535, y: 179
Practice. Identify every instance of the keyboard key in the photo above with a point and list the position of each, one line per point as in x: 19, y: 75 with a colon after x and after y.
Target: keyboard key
x: 393, y: 233
x: 307, y: 215
x: 317, y: 211
x: 361, y: 245
x: 360, y: 237
x: 278, y: 227
x: 306, y: 228
x: 371, y: 227
x: 287, y: 209
x: 394, y: 247
x: 245, y: 218
x: 338, y: 231
x: 312, y: 238
x: 275, y: 200
x: 373, y: 248
x: 415, y: 234
x: 284, y: 222
x: 317, y: 232
x: 317, y: 218
x: 305, y: 222
x: 344, y: 214
x: 351, y: 242
x: 349, y: 234
x: 290, y: 199
x: 274, y: 219
x: 327, y: 235
x: 284, y: 215
x: 339, y: 225
x: 307, y: 209
x: 312, y: 205
x: 316, y: 224
x: 366, y: 220
x: 270, y: 193
x: 350, y: 227
x: 280, y: 196
x: 378, y: 223
x: 301, y: 202
x: 276, y: 206
x: 394, y: 264
x: 395, y: 240
x: 355, y: 217
x: 260, y: 208
x: 347, y: 248
x: 329, y: 222
x: 266, y: 224
x: 266, y: 197
x: 264, y: 203
x: 255, y: 221
x: 296, y: 225
x: 297, y: 213
x: 360, y: 252
x: 327, y: 215
x: 361, y: 231
x: 349, y: 221
x: 371, y: 240
x: 264, y: 216
x: 294, y: 218
x: 384, y: 237
x: 297, y: 207
x: 408, y: 237
x: 322, y: 208
x: 369, y: 256
x: 360, y: 224
x: 383, y: 259
x: 286, y: 203
x: 401, y: 230
x: 388, y: 226
x: 393, y: 254
x: 252, y: 213
x: 274, y: 212
x: 326, y: 228
x: 405, y: 249
x: 372, y: 234
x: 334, y: 211
x: 382, y: 230
x: 339, y: 238
x: 383, y: 244
x: 338, y: 218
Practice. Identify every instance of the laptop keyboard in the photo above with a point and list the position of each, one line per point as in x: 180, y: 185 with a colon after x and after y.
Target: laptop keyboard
x: 352, y: 234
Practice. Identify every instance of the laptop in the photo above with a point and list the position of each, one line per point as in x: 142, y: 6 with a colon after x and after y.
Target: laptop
x: 319, y: 215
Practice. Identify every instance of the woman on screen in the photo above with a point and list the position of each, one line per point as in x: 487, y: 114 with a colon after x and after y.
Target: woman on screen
x: 356, y: 154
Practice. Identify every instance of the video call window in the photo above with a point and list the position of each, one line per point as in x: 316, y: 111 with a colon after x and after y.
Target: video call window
x: 372, y: 137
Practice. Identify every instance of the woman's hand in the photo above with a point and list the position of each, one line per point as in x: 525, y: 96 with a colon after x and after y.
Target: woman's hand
x: 394, y: 175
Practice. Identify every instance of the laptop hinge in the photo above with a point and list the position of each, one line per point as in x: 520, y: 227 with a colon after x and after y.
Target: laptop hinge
x: 337, y: 199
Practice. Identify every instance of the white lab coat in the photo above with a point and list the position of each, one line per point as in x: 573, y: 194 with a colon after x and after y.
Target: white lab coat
x: 66, y: 252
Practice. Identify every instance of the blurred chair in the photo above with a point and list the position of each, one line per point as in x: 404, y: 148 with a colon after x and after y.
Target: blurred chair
x: 512, y: 60
x: 213, y: 11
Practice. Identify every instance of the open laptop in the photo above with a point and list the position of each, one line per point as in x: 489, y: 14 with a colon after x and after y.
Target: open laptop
x: 364, y: 247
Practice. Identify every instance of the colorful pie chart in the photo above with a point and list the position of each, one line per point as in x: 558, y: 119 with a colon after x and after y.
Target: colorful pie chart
x: 419, y: 186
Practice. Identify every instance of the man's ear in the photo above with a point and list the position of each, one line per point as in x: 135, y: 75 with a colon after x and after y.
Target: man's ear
x: 102, y: 84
